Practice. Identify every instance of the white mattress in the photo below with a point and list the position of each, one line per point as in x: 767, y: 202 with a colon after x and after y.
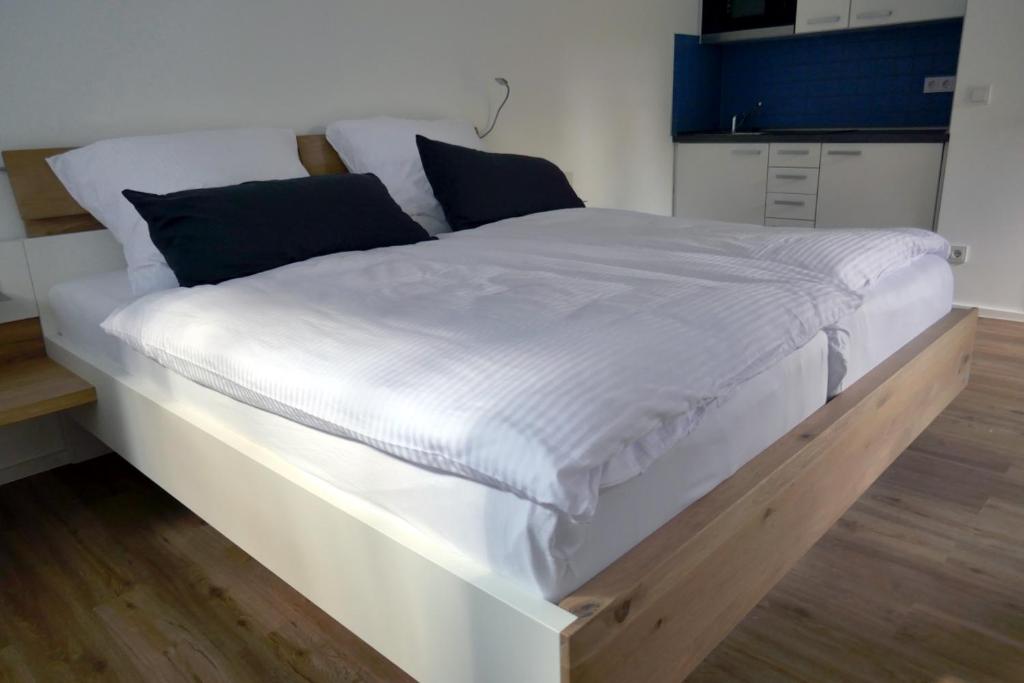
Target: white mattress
x: 900, y: 306
x: 549, y: 355
x: 542, y: 549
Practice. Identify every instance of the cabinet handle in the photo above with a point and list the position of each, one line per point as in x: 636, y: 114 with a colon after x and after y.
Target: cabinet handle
x: 795, y: 152
x: 788, y: 202
x: 875, y: 14
x: 747, y: 152
x: 817, y: 21
x: 845, y: 152
x: 790, y: 176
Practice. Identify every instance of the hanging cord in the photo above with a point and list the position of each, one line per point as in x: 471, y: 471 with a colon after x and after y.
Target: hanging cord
x: 508, y: 93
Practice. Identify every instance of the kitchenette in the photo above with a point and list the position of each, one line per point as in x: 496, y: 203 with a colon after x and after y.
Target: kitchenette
x: 815, y: 113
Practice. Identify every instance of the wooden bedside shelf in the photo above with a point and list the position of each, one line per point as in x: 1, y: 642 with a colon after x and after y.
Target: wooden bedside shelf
x: 32, y: 385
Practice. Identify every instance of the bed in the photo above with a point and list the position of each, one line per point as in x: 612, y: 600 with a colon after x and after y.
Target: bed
x: 508, y: 613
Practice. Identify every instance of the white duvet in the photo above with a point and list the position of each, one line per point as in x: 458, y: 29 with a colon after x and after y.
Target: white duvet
x: 550, y: 355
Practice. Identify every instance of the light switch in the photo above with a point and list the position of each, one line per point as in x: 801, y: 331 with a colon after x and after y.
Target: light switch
x: 980, y: 94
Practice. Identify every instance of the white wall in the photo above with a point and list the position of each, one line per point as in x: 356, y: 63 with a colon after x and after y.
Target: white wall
x: 592, y: 79
x: 983, y: 195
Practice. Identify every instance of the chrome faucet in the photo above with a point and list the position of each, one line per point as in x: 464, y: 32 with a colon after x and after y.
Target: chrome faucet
x: 741, y: 119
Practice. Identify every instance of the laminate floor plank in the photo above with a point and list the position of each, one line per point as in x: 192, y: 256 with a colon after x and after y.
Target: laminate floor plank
x: 923, y: 578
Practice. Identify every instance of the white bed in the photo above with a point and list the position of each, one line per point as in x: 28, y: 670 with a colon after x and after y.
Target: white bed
x: 417, y: 295
x: 900, y: 306
x: 541, y: 549
x: 435, y: 603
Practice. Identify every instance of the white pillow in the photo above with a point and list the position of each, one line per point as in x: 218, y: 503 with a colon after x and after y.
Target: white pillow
x: 386, y: 147
x: 96, y: 174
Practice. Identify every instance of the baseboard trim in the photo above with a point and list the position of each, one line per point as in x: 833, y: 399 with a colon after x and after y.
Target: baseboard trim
x: 34, y: 456
x: 27, y: 468
x: 996, y: 313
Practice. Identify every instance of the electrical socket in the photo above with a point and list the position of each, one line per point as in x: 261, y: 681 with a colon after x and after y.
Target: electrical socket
x: 933, y: 84
x: 958, y: 254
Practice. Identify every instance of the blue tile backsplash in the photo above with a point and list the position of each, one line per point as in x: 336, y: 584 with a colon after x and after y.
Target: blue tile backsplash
x: 848, y: 79
x: 697, y: 96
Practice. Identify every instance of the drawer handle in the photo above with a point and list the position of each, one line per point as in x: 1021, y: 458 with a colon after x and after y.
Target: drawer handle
x: 875, y: 14
x: 790, y: 176
x: 747, y: 152
x: 845, y: 152
x: 817, y: 21
x: 788, y: 202
x: 795, y: 152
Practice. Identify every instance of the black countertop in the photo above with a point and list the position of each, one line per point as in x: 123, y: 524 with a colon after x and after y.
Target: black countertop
x: 822, y: 135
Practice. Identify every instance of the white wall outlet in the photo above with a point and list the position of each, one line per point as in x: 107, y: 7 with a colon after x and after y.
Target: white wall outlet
x: 933, y: 84
x: 958, y: 254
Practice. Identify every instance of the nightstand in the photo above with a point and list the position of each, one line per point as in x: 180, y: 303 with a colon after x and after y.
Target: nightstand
x: 32, y: 385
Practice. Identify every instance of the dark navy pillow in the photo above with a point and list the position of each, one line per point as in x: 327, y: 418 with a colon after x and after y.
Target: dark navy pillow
x: 216, y: 234
x: 475, y: 187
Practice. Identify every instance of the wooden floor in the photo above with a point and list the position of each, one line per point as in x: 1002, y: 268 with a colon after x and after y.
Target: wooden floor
x: 105, y: 577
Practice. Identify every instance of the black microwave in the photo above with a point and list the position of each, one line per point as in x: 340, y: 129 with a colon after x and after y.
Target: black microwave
x: 723, y: 20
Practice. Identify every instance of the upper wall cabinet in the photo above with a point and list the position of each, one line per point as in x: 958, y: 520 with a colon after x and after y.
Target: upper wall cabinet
x: 822, y: 15
x: 865, y: 13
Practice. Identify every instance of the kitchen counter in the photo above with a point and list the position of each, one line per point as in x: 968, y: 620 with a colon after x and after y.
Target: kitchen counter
x: 863, y: 135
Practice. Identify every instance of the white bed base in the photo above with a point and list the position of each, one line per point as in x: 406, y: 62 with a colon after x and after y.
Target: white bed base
x: 441, y: 617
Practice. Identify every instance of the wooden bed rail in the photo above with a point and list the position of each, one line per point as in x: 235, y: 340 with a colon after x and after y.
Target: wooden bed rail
x: 661, y: 608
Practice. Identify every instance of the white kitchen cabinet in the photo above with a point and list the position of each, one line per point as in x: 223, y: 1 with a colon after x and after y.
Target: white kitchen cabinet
x: 793, y: 180
x: 795, y: 154
x: 878, y: 185
x: 788, y: 223
x: 721, y: 181
x: 865, y: 13
x: 813, y: 16
x: 786, y: 206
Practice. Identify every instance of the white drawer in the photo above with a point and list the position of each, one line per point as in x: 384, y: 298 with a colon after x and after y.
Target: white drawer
x: 787, y: 223
x: 793, y: 180
x: 799, y: 154
x: 792, y: 206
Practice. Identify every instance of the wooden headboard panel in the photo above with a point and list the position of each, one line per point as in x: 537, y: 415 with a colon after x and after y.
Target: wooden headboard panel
x: 47, y: 208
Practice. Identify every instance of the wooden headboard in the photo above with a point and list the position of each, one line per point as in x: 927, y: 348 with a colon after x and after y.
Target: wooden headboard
x: 47, y: 208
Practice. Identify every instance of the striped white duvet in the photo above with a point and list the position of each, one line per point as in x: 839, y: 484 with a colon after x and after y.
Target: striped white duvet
x: 549, y: 355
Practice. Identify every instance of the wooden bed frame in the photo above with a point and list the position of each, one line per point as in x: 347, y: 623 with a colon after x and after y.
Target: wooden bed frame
x: 653, y: 615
